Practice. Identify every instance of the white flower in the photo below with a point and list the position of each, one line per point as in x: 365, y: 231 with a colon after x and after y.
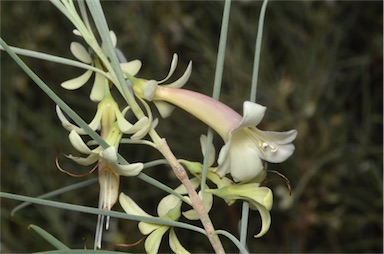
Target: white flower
x: 245, y: 145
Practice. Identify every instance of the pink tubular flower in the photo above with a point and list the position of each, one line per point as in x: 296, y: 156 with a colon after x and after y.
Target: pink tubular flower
x: 245, y: 145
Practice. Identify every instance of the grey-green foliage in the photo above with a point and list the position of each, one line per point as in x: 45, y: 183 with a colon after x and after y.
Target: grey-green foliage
x: 321, y: 73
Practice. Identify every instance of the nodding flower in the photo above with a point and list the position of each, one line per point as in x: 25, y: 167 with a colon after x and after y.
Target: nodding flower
x: 245, y: 145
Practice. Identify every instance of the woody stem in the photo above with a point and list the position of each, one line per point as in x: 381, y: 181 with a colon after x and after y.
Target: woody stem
x: 196, y: 201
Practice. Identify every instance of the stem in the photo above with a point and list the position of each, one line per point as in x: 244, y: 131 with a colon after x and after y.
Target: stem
x: 196, y: 201
x: 255, y: 75
x: 244, y: 223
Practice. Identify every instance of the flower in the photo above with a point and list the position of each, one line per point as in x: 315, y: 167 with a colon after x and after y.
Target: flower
x: 112, y: 126
x: 108, y: 112
x: 146, y: 88
x: 245, y: 145
x: 169, y: 208
x: 97, y: 92
x: 259, y: 198
x: 196, y: 168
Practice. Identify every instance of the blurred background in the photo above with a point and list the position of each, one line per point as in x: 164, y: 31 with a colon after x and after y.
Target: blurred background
x: 320, y: 73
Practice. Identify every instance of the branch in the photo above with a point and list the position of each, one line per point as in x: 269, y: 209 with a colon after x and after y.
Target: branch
x: 197, y: 202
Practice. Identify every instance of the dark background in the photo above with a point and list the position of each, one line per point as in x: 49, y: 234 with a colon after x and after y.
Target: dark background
x: 320, y: 73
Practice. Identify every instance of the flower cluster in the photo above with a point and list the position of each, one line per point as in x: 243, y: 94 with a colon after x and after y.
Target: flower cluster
x: 240, y: 168
x: 111, y: 123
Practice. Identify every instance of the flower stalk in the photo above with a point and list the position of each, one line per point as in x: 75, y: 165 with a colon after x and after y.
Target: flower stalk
x: 196, y: 201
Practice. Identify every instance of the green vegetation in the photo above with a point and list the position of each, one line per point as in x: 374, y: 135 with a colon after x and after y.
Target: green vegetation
x: 321, y: 73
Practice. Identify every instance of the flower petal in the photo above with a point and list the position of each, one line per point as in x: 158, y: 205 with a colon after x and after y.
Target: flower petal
x: 255, y: 195
x: 109, y: 187
x: 69, y: 126
x: 282, y: 153
x: 92, y: 158
x: 219, y: 182
x: 224, y: 160
x: 274, y: 146
x: 183, y: 79
x: 165, y: 109
x: 278, y: 137
x: 265, y: 220
x: 77, y: 32
x: 131, y: 67
x: 95, y: 123
x: 253, y: 113
x: 212, y: 152
x: 80, y: 52
x: 244, y: 157
x: 152, y: 243
x: 110, y: 155
x: 147, y: 228
x: 169, y: 207
x: 140, y: 128
x: 64, y: 121
x: 97, y: 92
x: 123, y: 123
x: 132, y: 169
x: 78, y: 143
x: 267, y: 200
x: 175, y: 244
x: 131, y: 207
x: 150, y: 88
x: 77, y: 82
x: 172, y: 68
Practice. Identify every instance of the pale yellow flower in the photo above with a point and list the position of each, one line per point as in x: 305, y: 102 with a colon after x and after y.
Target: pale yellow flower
x: 97, y: 93
x: 169, y: 208
x: 259, y: 198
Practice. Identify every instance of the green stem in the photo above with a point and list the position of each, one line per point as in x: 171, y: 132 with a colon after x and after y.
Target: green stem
x: 217, y: 83
x: 255, y: 74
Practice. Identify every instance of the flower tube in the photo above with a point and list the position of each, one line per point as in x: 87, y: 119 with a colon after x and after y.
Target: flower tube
x: 245, y: 145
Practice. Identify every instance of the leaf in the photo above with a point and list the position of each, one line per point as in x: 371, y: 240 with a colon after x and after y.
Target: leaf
x: 49, y: 238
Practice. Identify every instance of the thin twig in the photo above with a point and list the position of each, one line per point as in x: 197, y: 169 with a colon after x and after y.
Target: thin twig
x: 196, y: 201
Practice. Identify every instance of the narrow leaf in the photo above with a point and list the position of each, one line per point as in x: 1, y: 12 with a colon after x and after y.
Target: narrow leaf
x: 49, y: 238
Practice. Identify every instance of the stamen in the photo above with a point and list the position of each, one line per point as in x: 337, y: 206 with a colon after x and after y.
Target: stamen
x: 72, y: 174
x: 264, y: 145
x: 274, y: 149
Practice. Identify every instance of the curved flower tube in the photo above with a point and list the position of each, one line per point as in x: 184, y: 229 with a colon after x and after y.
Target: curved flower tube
x: 245, y: 145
